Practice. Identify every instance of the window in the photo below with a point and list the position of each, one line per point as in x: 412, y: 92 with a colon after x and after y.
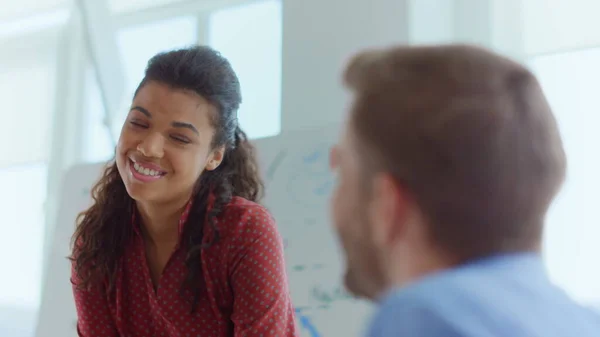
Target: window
x: 570, y: 82
x: 22, y: 197
x: 27, y: 91
x: 139, y: 43
x: 250, y: 37
x: 27, y: 81
x: 123, y: 6
x: 15, y: 9
x: 99, y: 144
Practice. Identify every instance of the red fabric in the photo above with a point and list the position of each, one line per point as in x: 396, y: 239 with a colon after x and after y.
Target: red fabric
x: 246, y: 287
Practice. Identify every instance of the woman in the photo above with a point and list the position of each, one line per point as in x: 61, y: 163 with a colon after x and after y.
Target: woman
x: 174, y: 244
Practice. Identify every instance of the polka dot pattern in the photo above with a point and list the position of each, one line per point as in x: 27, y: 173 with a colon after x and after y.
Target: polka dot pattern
x: 246, y: 291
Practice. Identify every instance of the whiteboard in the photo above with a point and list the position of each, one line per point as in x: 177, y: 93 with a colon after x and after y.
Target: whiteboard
x: 298, y: 185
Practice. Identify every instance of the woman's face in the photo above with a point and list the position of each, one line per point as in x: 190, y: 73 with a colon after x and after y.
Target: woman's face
x: 165, y: 144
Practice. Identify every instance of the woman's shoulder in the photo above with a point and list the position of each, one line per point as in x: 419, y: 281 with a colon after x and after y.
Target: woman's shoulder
x: 246, y: 219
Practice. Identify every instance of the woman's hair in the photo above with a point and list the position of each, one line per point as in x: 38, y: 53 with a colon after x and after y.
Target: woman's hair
x: 102, y: 231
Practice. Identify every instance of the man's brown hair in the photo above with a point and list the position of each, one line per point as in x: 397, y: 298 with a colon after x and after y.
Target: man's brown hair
x: 469, y: 134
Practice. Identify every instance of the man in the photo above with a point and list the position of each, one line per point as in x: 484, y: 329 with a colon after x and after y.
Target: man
x: 448, y: 163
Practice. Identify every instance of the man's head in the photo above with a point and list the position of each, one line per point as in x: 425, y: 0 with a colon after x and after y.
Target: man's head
x: 449, y: 154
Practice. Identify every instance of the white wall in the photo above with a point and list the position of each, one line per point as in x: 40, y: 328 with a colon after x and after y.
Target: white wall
x: 320, y: 35
x: 560, y: 25
x: 432, y: 21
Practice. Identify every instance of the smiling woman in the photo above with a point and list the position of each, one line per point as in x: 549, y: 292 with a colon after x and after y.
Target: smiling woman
x: 176, y: 239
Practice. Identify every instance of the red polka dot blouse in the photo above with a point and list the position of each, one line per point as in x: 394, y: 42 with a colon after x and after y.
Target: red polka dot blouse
x: 246, y: 287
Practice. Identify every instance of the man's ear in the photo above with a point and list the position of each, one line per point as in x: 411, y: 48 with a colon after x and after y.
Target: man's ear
x: 215, y: 158
x: 390, y: 209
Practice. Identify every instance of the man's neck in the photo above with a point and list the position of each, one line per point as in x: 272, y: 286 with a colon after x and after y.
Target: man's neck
x: 417, y: 263
x: 160, y: 221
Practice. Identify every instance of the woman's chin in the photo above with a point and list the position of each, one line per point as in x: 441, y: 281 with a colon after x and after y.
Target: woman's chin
x: 140, y: 193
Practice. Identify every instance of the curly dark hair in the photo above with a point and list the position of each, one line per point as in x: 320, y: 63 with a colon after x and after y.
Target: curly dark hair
x: 100, y: 238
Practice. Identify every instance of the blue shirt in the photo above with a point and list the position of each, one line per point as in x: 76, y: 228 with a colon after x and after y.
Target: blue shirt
x: 506, y: 296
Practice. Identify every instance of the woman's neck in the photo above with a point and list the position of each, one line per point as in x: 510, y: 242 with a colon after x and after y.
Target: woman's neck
x: 160, y: 222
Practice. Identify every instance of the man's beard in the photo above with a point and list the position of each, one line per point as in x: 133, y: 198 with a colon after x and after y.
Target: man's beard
x: 353, y: 283
x: 363, y: 276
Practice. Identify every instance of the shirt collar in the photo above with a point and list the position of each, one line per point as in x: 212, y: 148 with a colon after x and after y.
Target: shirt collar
x: 529, y: 264
x: 184, y: 216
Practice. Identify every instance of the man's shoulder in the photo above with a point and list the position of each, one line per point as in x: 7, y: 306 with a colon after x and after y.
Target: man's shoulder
x: 485, y: 297
x: 434, y: 290
x: 417, y: 310
x: 437, y: 305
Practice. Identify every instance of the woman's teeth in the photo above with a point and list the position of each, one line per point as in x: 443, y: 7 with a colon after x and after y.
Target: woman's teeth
x: 145, y: 171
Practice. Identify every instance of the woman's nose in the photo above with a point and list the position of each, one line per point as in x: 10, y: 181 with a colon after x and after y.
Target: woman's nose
x: 152, y: 145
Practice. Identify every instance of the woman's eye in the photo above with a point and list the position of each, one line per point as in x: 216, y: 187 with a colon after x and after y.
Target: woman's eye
x: 138, y: 124
x: 180, y: 139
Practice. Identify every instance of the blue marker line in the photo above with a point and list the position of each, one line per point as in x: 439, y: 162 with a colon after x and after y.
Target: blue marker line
x: 313, y: 157
x: 307, y: 324
x: 323, y: 188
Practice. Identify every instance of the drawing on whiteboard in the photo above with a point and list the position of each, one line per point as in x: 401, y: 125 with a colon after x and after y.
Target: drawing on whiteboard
x: 324, y: 188
x: 316, y: 160
x: 325, y: 298
x: 306, y: 324
x: 309, y: 190
x: 312, y: 157
x: 311, y: 181
x: 302, y: 267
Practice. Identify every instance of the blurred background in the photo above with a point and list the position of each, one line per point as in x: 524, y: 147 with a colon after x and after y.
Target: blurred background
x: 68, y: 70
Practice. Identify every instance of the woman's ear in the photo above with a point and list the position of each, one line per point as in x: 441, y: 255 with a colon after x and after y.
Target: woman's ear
x: 215, y: 158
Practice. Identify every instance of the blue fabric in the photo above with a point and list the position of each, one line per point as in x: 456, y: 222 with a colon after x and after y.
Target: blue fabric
x: 505, y: 296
